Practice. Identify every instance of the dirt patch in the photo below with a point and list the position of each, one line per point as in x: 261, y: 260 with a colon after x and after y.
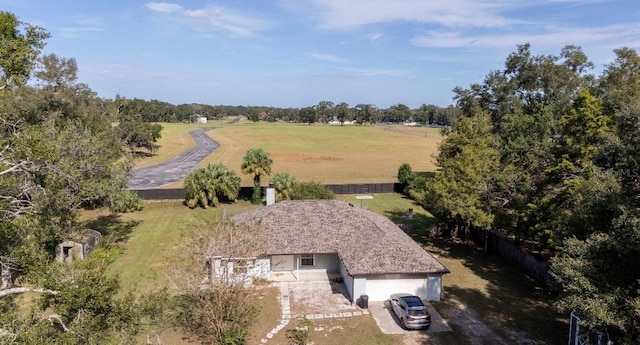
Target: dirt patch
x: 319, y: 297
x: 476, y: 330
x: 420, y: 339
x: 301, y: 157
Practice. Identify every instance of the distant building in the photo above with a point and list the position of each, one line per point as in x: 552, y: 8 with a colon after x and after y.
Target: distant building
x: 200, y: 119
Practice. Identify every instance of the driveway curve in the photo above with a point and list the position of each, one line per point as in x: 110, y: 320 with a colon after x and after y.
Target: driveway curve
x: 178, y: 167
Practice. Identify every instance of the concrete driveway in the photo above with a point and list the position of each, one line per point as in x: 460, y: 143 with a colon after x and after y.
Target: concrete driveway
x: 389, y: 324
x: 178, y: 167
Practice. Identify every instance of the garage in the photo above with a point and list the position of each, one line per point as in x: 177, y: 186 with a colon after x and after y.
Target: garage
x: 380, y: 287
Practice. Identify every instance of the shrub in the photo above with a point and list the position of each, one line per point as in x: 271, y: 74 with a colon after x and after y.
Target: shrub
x: 311, y: 191
x: 127, y: 201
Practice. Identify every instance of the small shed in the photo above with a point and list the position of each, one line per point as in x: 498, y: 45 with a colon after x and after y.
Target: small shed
x: 77, y: 249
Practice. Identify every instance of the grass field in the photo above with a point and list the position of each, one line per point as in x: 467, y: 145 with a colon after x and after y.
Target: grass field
x: 322, y: 153
x: 504, y: 298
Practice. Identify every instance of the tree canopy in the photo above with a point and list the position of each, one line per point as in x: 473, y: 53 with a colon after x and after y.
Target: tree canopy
x: 546, y: 153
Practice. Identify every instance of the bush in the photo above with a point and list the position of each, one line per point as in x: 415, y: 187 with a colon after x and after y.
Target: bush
x: 311, y: 191
x: 301, y: 334
x: 127, y: 201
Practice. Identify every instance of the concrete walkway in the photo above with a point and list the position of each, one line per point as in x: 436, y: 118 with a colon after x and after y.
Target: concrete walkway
x: 178, y: 167
x: 285, y: 305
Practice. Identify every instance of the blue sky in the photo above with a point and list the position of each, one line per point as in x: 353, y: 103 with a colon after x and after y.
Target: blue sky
x: 296, y: 53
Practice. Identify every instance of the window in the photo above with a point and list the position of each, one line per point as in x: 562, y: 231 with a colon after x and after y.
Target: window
x: 307, y: 260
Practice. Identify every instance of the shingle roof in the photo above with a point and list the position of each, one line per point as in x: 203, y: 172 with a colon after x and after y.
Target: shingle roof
x: 366, y: 242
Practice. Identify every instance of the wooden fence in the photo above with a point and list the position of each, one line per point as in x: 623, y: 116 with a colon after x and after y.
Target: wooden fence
x: 526, y: 262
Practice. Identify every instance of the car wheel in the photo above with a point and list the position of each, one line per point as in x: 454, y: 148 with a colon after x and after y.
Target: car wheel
x: 404, y: 324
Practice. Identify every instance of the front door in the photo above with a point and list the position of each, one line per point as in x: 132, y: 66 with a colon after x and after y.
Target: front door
x: 282, y: 262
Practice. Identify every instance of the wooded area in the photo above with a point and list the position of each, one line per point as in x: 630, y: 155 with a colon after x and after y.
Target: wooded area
x: 546, y: 153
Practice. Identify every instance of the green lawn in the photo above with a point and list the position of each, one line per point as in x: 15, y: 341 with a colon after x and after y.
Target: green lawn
x: 505, y: 298
x: 323, y: 153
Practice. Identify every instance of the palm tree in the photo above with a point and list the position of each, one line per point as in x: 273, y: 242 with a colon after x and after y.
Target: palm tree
x: 284, y: 185
x: 227, y: 182
x: 257, y: 163
x: 205, y: 185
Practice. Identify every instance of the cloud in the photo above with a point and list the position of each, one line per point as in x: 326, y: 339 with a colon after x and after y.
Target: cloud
x: 325, y: 57
x: 164, y: 7
x: 74, y: 31
x: 376, y: 72
x: 212, y: 19
x: 544, y: 38
x: 341, y: 15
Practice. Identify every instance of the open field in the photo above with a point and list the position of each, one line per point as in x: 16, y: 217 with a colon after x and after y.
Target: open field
x: 508, y: 303
x: 322, y: 153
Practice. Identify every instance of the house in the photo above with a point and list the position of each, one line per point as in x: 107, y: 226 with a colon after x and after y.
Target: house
x: 199, y: 119
x: 71, y: 250
x: 368, y: 251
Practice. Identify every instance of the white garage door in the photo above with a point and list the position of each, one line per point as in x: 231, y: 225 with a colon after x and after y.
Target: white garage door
x: 380, y: 288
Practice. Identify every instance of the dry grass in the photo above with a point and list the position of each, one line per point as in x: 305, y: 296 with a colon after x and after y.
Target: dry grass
x: 358, y: 330
x: 322, y: 153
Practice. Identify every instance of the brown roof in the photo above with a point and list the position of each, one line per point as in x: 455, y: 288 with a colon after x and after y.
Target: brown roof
x: 366, y: 242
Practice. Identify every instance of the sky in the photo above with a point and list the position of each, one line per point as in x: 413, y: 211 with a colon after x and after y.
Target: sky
x: 296, y: 53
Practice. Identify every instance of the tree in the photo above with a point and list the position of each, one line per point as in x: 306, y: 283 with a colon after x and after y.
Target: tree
x: 366, y: 113
x: 134, y: 131
x: 308, y: 115
x: 343, y: 113
x: 620, y: 83
x: 325, y: 110
x: 405, y: 177
x: 18, y: 50
x: 205, y: 186
x: 214, y: 301
x: 256, y: 162
x: 284, y: 185
x: 468, y: 159
x: 600, y: 279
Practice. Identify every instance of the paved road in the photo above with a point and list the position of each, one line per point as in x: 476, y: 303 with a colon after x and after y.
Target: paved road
x: 178, y: 167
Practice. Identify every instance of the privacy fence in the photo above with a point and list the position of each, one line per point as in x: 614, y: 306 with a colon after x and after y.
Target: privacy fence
x: 527, y: 263
x: 245, y: 192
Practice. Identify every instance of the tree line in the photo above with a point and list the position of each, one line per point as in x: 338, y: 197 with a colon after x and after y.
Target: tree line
x: 546, y: 153
x: 323, y: 112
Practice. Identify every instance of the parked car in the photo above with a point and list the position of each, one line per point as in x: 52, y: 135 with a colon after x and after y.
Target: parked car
x: 410, y: 311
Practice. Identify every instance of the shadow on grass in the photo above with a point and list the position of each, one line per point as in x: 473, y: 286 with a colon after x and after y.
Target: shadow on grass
x: 113, y: 228
x: 416, y: 225
x: 510, y: 298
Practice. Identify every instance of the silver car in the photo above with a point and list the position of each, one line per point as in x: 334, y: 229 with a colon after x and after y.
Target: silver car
x: 410, y: 311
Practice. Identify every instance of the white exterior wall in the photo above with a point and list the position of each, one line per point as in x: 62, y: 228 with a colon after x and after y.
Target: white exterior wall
x: 434, y: 287
x: 348, y: 281
x: 261, y: 268
x: 283, y: 262
x: 359, y: 287
x: 322, y: 262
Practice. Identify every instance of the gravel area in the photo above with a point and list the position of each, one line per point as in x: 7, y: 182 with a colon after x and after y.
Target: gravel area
x: 319, y: 297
